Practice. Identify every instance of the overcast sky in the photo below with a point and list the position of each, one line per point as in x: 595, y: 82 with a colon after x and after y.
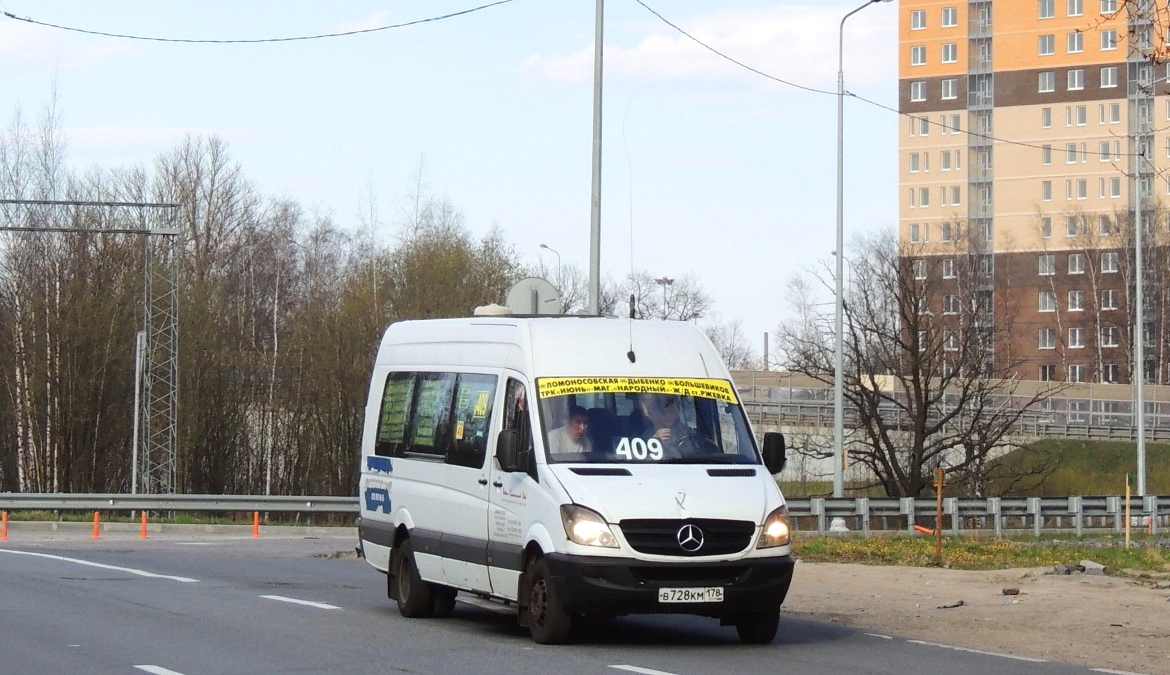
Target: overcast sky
x: 708, y: 169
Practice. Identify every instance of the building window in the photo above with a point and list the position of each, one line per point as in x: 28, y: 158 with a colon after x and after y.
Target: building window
x: 1047, y: 45
x: 1109, y: 41
x: 950, y: 341
x: 1047, y: 83
x: 923, y: 126
x: 1047, y: 9
x: 1109, y: 261
x: 1110, y: 373
x: 918, y: 91
x: 950, y: 17
x: 1076, y: 373
x: 1046, y: 155
x: 1076, y: 338
x: 1082, y: 188
x: 915, y: 162
x: 1047, y: 264
x: 1046, y: 227
x: 918, y: 55
x: 1108, y: 6
x: 1110, y: 336
x: 948, y: 268
x: 1115, y: 187
x: 1109, y: 300
x: 1047, y: 373
x: 1103, y: 153
x: 918, y: 19
x: 1076, y: 7
x: 1047, y: 339
x: 1046, y: 190
x: 914, y: 228
x: 1047, y: 301
x: 956, y: 193
x: 946, y: 231
x: 950, y: 90
x: 924, y: 197
x: 1106, y: 224
x: 1076, y: 301
x: 1109, y: 77
x: 950, y: 52
x: 1076, y: 79
x: 944, y: 160
x: 1075, y: 42
x: 1070, y: 153
x: 950, y: 304
x: 1076, y: 263
x: 1046, y: 118
x: 918, y: 266
x: 1114, y: 113
x: 1072, y: 226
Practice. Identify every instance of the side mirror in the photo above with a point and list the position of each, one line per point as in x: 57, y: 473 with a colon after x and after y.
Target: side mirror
x: 508, y: 450
x: 775, y: 452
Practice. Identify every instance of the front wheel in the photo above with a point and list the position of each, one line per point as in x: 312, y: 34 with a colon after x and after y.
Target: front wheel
x: 415, y: 599
x: 758, y: 628
x: 548, y: 620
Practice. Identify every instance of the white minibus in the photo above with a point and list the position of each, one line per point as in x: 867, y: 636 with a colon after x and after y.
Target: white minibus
x: 573, y: 467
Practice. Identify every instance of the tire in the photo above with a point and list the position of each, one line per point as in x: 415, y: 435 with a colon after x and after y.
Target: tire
x: 759, y: 628
x: 415, y: 597
x: 547, y: 619
x: 443, y: 602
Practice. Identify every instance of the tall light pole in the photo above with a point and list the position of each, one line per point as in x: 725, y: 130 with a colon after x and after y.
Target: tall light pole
x: 595, y: 201
x: 550, y: 248
x: 664, y: 282
x: 838, y: 347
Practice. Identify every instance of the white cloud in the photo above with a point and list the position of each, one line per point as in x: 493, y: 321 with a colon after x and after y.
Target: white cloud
x: 798, y: 44
x: 32, y: 45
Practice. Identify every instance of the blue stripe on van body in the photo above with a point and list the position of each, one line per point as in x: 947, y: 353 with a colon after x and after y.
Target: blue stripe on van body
x: 379, y: 464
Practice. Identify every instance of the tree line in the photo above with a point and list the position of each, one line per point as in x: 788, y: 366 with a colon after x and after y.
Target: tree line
x: 280, y: 312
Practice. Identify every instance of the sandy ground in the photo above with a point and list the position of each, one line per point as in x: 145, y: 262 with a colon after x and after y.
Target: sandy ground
x: 1102, y: 622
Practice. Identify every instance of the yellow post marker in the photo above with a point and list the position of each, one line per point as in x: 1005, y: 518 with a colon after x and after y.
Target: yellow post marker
x: 256, y: 524
x: 4, y: 526
x: 96, y: 525
x: 143, y: 534
x: 938, y: 512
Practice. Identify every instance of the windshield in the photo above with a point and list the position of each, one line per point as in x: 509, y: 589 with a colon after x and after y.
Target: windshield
x: 643, y: 420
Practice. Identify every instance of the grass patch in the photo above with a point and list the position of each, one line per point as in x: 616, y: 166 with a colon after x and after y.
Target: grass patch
x: 971, y: 553
x: 1084, y: 468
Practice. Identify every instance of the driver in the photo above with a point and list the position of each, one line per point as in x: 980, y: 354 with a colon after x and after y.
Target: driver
x: 678, y: 440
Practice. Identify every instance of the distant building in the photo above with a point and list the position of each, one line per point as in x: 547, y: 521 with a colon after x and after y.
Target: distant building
x: 1019, y: 154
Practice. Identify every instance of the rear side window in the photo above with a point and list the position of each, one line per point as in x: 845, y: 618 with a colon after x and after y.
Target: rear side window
x: 443, y: 416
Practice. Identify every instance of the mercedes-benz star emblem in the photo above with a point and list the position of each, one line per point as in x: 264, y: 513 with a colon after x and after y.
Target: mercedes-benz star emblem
x: 690, y: 538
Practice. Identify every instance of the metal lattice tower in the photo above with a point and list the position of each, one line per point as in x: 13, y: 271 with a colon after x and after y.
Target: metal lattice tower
x: 159, y: 443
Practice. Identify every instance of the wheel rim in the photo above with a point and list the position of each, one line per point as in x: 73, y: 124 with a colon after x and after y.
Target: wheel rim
x: 538, y: 602
x: 404, y: 580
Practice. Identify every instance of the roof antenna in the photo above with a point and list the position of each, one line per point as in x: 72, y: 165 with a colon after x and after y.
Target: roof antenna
x: 630, y: 354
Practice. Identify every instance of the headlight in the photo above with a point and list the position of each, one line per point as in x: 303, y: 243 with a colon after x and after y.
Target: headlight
x: 776, y: 530
x: 586, y: 527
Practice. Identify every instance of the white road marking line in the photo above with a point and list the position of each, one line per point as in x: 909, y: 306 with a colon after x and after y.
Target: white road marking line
x: 89, y: 563
x: 1114, y: 672
x: 158, y: 670
x: 644, y: 671
x: 977, y: 651
x: 309, y: 603
x: 879, y: 635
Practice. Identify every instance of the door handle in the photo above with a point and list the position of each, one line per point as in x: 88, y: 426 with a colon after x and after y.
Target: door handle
x: 483, y: 481
x: 498, y: 484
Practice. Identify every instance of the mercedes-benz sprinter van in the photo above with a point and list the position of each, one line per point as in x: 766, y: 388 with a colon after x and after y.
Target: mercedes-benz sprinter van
x: 573, y: 466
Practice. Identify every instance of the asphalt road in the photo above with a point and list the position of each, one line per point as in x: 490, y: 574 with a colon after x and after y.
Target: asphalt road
x: 226, y: 605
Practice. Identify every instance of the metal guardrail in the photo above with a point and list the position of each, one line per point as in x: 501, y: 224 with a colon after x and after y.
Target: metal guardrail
x: 866, y: 513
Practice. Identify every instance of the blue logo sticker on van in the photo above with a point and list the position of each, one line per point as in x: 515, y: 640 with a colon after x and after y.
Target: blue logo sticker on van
x: 378, y: 499
x: 379, y: 464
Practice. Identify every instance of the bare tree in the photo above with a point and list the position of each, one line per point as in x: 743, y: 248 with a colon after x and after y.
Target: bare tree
x: 733, y: 345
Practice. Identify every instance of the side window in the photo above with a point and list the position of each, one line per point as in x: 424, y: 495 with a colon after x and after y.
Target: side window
x: 430, y: 423
x: 474, y: 395
x: 392, y: 420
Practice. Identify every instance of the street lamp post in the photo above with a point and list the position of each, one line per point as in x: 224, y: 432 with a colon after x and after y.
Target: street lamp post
x: 838, y: 347
x: 558, y: 255
x: 664, y: 282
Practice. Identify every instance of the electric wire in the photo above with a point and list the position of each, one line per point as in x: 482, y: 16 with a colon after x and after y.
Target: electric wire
x: 815, y: 90
x: 320, y: 36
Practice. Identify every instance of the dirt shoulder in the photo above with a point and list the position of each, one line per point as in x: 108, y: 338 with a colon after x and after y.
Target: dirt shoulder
x: 1098, y: 621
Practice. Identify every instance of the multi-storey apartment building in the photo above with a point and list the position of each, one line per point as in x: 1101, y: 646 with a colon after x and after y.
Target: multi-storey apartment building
x: 1027, y: 128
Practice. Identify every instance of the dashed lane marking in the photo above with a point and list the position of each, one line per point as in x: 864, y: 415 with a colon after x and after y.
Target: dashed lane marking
x: 1114, y: 672
x: 879, y: 635
x: 976, y: 651
x: 295, y: 601
x: 158, y: 670
x: 90, y: 563
x: 643, y: 671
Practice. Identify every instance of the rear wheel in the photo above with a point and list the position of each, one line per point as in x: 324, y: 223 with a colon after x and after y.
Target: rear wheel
x: 758, y: 628
x: 548, y: 620
x: 415, y: 598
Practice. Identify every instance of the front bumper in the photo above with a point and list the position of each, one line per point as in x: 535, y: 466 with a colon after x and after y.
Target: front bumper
x: 600, y: 586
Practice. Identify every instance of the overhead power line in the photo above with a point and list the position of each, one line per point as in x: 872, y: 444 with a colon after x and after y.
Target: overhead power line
x: 850, y: 94
x: 347, y: 33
